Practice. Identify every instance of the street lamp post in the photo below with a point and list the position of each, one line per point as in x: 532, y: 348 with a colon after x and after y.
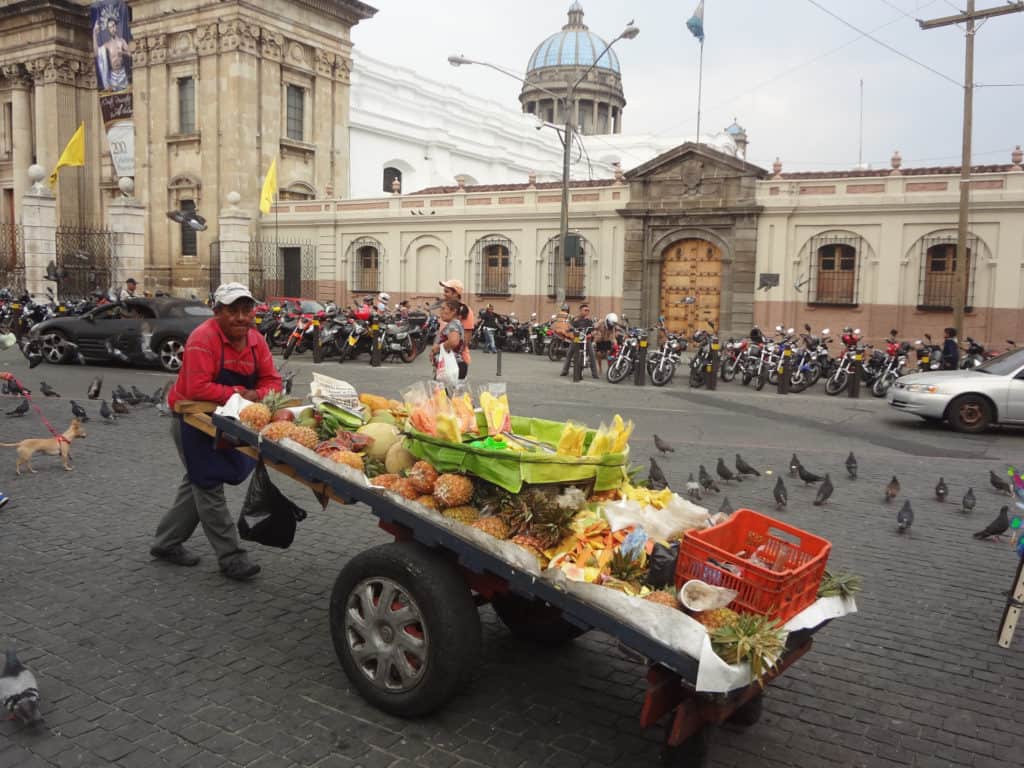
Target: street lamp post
x: 568, y: 134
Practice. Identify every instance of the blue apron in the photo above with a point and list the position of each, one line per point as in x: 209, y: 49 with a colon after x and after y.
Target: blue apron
x: 207, y: 465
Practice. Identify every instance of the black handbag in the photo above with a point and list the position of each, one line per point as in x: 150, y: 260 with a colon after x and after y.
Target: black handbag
x: 268, y: 516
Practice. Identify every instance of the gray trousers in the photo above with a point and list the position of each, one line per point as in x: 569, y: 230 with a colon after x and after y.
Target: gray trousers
x: 573, y: 347
x: 194, y: 505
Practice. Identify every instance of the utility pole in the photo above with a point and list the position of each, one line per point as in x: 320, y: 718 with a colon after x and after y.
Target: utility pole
x: 968, y: 18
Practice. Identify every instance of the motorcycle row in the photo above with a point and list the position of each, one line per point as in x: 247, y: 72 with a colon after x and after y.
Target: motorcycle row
x: 18, y: 314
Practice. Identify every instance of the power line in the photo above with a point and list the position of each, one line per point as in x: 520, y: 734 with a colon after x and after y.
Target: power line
x: 884, y: 44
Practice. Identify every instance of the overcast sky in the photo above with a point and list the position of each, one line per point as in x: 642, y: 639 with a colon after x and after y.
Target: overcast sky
x: 786, y: 69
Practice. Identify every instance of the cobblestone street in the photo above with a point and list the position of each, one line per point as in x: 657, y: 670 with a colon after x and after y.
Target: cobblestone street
x: 145, y: 664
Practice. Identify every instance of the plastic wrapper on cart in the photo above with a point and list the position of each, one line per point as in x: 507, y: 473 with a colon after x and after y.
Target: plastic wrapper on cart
x: 511, y: 469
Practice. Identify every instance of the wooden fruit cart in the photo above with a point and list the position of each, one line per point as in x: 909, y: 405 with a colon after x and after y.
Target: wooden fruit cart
x: 404, y: 616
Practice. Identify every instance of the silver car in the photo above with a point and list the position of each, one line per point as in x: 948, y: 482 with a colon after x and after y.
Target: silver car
x: 992, y: 393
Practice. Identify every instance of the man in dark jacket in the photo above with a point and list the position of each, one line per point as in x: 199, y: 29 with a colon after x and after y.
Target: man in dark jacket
x: 582, y: 321
x: 950, y: 351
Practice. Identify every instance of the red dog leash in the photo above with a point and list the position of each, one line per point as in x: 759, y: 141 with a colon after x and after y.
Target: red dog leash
x: 10, y: 377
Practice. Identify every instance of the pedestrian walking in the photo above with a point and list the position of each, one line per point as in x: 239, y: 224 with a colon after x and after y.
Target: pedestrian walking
x: 489, y: 323
x: 452, y: 336
x: 950, y: 350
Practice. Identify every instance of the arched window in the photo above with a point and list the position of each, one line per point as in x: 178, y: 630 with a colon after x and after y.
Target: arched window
x: 493, y: 257
x: 835, y: 268
x: 938, y: 272
x: 569, y: 273
x: 365, y: 255
x: 297, y: 190
x: 391, y: 174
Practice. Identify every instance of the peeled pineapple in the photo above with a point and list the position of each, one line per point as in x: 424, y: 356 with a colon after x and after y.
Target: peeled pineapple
x: 453, y: 490
x: 428, y: 501
x: 277, y: 430
x: 464, y: 514
x: 423, y: 476
x: 664, y: 597
x: 255, y: 416
x: 403, y: 486
x: 493, y: 526
x: 719, y: 617
x: 348, y: 458
x: 385, y: 481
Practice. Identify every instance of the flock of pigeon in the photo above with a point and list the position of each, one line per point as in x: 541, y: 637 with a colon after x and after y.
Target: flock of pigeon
x: 705, y: 483
x: 121, y: 400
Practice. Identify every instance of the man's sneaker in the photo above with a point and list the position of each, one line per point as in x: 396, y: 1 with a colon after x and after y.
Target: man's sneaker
x: 176, y: 554
x: 3, y: 500
x: 240, y: 569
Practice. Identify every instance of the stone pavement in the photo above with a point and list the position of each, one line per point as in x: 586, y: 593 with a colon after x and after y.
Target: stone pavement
x: 145, y: 664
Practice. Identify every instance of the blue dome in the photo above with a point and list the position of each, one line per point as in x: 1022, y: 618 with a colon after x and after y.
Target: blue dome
x: 574, y: 46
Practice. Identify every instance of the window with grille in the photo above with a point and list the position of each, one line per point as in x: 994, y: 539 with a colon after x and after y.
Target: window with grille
x: 390, y: 175
x: 296, y: 113
x: 572, y: 271
x: 365, y: 255
x: 938, y: 272
x: 493, y: 259
x: 188, y: 235
x: 835, y: 269
x: 186, y: 105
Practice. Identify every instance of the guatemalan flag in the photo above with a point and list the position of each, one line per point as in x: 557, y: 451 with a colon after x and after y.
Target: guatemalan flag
x: 696, y: 22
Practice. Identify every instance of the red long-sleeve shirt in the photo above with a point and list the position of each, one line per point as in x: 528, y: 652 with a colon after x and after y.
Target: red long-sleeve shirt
x: 201, y: 365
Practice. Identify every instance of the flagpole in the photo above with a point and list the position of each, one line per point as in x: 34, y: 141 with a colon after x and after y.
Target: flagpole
x: 700, y: 85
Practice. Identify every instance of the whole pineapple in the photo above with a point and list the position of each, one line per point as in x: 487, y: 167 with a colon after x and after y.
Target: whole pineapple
x: 493, y: 526
x: 404, y: 487
x: 305, y: 436
x: 385, y: 481
x: 255, y: 416
x: 453, y: 490
x: 348, y: 458
x: 550, y: 521
x: 423, y: 476
x: 428, y: 501
x: 532, y: 545
x: 628, y: 569
x: 463, y: 514
x: 277, y: 430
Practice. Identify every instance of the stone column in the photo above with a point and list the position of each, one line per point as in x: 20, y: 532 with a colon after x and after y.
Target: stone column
x: 21, y: 139
x: 39, y: 225
x: 234, y: 243
x: 128, y: 223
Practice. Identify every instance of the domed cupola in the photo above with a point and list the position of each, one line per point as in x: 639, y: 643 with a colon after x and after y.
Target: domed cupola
x: 560, y: 60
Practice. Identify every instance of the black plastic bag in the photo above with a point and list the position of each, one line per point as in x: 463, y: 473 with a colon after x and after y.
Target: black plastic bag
x: 661, y: 566
x: 268, y: 516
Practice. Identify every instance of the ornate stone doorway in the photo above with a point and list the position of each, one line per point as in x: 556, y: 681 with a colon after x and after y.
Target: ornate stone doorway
x: 691, y: 285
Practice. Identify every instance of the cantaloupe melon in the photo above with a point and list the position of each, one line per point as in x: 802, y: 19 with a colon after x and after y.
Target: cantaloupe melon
x: 398, y: 459
x: 384, y: 436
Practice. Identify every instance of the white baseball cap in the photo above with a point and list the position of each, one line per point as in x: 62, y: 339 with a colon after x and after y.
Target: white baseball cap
x: 229, y: 293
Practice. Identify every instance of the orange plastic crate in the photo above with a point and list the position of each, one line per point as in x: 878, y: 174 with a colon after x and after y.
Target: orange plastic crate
x: 797, y: 561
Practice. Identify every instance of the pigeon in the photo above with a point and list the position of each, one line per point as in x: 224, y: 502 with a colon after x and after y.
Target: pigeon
x: 35, y: 357
x: 662, y: 446
x: 781, y: 494
x: 119, y: 405
x: 824, y: 491
x: 78, y: 411
x: 807, y: 477
x: 851, y: 466
x: 706, y: 481
x: 94, y: 388
x: 725, y: 473
x: 122, y: 393
x: 941, y: 491
x: 793, y: 464
x: 998, y: 483
x: 116, y: 353
x: 692, y: 488
x: 106, y: 413
x: 743, y: 468
x: 997, y: 527
x: 164, y: 408
x: 47, y: 390
x: 656, y: 478
x: 905, y: 517
x: 892, y: 490
x: 726, y: 507
x: 22, y: 408
x: 159, y: 396
x: 967, y: 505
x: 139, y: 395
x: 19, y: 691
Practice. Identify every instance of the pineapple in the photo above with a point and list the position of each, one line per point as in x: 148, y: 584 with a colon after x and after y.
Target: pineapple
x: 305, y: 436
x: 749, y: 637
x: 423, y: 476
x: 385, y: 481
x: 628, y: 569
x: 493, y: 526
x: 255, y: 416
x: 277, y: 430
x: 275, y: 401
x: 404, y: 487
x: 347, y: 458
x: 719, y: 617
x: 534, y: 546
x: 453, y: 490
x: 666, y: 597
x: 464, y: 514
x: 428, y: 501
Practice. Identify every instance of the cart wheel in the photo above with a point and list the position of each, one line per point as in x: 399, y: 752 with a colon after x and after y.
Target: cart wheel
x: 749, y: 713
x: 692, y: 753
x: 405, y: 628
x: 534, y: 621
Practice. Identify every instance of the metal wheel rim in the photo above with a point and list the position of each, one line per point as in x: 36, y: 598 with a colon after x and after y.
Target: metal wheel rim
x: 385, y: 634
x: 971, y: 414
x: 54, y: 347
x: 170, y: 354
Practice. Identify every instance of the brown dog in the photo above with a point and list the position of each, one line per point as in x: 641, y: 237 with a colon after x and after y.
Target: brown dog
x: 51, y: 446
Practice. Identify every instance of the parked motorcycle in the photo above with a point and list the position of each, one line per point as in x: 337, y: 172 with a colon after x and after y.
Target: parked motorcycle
x: 896, y: 353
x: 840, y: 377
x: 662, y: 362
x: 625, y: 360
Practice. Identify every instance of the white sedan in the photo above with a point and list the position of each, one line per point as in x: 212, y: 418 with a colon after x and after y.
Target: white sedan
x: 971, y: 400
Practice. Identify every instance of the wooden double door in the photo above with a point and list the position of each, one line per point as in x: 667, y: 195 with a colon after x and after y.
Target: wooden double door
x: 691, y: 285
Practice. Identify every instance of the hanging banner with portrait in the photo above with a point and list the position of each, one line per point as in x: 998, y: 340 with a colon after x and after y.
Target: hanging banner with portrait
x: 111, y: 38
